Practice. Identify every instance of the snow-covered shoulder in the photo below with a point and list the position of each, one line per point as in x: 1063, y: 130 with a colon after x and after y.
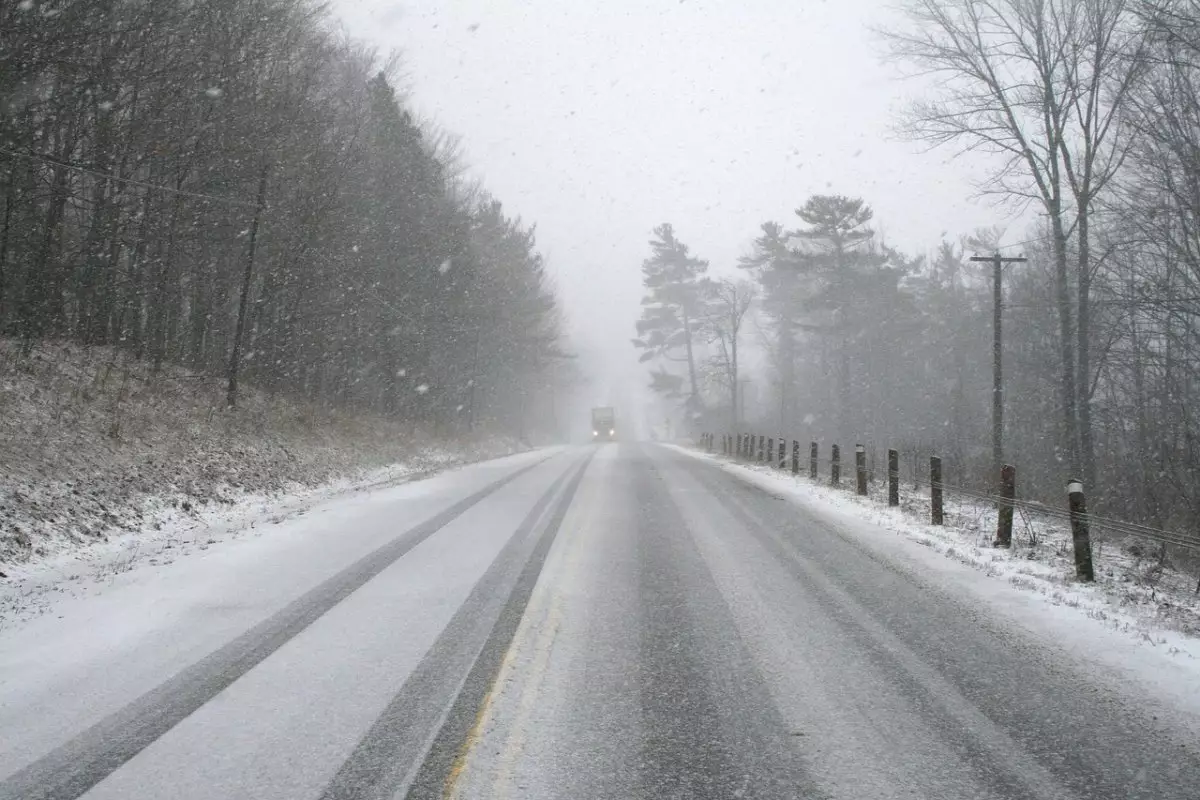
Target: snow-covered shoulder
x: 1095, y: 623
x: 238, y: 530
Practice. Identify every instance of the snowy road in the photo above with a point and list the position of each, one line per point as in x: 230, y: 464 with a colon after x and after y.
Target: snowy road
x: 612, y: 622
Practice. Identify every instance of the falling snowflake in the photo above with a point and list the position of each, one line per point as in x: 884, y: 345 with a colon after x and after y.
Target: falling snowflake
x: 809, y: 419
x: 25, y: 5
x: 458, y: 407
x: 423, y: 388
x: 445, y: 267
x: 106, y: 105
x: 214, y: 91
x: 354, y: 249
x: 401, y: 372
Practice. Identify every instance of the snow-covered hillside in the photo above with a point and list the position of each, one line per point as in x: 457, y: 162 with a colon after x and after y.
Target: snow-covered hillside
x: 93, y: 445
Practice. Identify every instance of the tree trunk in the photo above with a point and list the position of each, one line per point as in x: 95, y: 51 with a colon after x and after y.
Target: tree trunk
x: 733, y: 382
x: 1062, y: 292
x: 1087, y: 444
x: 42, y: 302
x: 691, y: 360
x: 5, y: 229
x: 235, y: 354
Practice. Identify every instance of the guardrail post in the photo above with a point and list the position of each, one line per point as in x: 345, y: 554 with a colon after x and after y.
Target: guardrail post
x: 893, y: 478
x: 813, y: 452
x: 1008, y: 492
x: 1081, y: 537
x: 782, y: 453
x: 795, y: 456
x: 835, y: 471
x: 860, y: 466
x: 761, y: 445
x: 935, y: 491
x: 770, y: 450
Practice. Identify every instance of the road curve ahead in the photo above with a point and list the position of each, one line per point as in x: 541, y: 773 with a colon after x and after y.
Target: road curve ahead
x: 619, y: 621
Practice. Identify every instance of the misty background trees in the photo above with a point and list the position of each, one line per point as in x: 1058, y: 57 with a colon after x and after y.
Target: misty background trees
x: 1089, y: 111
x: 235, y: 187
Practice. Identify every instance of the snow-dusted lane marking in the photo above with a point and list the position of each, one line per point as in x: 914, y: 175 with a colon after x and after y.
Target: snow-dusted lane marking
x: 451, y: 745
x: 75, y: 767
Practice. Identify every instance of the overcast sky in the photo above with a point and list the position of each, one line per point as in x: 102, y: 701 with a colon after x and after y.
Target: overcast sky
x: 600, y: 120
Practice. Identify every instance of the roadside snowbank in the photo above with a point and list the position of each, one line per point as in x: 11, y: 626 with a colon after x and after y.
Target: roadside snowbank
x: 1163, y: 615
x: 99, y: 455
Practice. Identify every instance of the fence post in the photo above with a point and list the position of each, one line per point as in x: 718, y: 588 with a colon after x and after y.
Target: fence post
x: 1081, y: 537
x: 770, y: 450
x: 860, y: 466
x: 835, y: 471
x: 1008, y: 492
x: 795, y: 456
x: 813, y: 452
x: 761, y: 445
x: 935, y: 491
x: 782, y: 453
x: 893, y: 478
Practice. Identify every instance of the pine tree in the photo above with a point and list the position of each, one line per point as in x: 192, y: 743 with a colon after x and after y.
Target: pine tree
x: 673, y: 312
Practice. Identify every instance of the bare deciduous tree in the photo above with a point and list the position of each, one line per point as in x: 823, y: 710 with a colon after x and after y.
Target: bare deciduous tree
x: 1043, y: 85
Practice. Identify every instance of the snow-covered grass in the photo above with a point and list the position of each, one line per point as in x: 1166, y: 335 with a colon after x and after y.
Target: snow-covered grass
x: 1133, y: 593
x: 99, y: 456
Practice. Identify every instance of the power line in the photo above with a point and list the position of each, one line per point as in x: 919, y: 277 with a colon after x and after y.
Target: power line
x: 1018, y: 244
x: 131, y: 181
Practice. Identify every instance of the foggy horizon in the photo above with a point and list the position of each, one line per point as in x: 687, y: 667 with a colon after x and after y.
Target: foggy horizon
x: 599, y: 123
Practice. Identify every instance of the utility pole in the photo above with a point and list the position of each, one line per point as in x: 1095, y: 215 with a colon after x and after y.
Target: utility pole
x: 998, y: 263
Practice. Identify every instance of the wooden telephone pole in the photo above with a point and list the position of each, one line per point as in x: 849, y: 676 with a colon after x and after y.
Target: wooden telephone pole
x: 998, y: 263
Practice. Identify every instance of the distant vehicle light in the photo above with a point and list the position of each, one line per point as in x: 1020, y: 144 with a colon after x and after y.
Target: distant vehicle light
x: 612, y: 433
x: 595, y: 433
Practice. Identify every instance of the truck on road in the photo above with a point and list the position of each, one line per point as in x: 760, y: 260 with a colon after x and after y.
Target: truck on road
x: 604, y: 424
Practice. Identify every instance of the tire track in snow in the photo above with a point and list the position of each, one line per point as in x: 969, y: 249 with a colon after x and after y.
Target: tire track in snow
x: 451, y: 739
x: 74, y: 767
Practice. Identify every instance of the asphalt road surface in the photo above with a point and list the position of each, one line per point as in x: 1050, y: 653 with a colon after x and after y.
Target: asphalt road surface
x: 617, y: 621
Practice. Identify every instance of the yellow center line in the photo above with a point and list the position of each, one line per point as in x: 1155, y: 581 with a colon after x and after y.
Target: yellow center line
x: 543, y: 606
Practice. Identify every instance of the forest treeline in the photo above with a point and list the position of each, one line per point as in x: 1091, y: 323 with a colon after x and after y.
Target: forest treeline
x: 1090, y: 112
x: 235, y: 187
